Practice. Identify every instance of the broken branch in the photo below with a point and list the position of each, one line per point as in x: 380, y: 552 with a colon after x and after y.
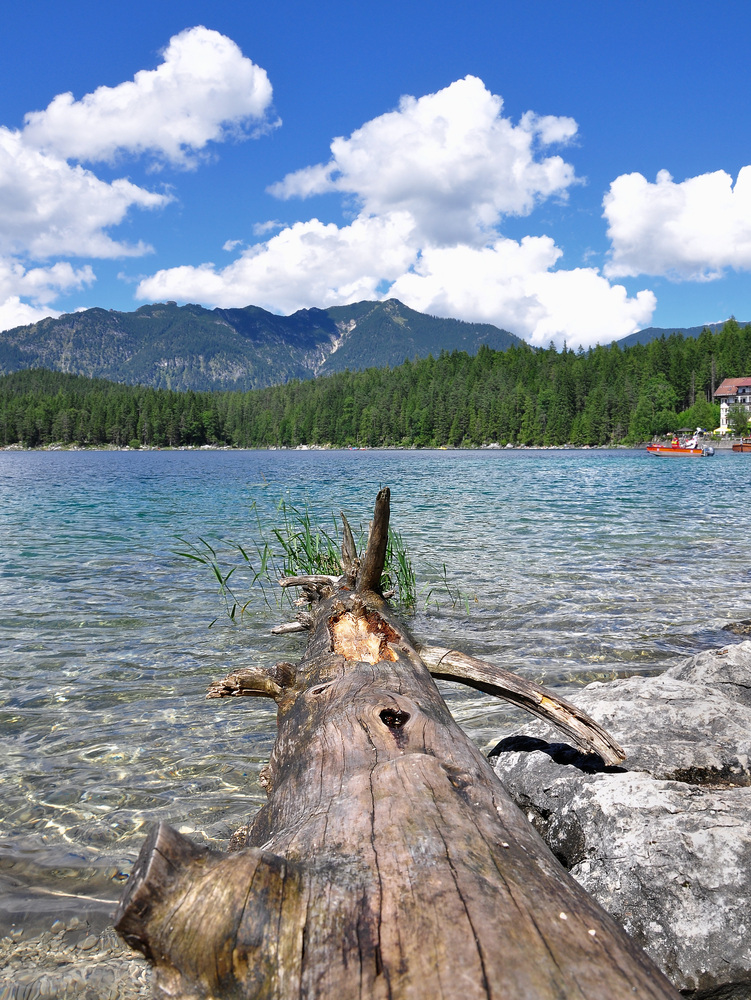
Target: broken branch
x: 589, y: 736
x: 269, y: 682
x: 371, y: 567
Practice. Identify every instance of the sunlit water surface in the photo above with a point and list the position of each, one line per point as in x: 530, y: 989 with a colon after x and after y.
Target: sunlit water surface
x: 565, y: 566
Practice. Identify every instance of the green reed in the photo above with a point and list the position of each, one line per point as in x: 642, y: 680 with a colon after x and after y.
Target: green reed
x: 306, y: 549
x: 295, y: 546
x: 206, y: 554
x: 454, y: 594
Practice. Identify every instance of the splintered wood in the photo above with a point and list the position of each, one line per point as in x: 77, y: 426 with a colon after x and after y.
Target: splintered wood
x: 388, y: 863
x: 363, y: 637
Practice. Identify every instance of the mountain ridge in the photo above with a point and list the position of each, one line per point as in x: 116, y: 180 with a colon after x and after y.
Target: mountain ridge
x: 650, y: 333
x: 190, y: 347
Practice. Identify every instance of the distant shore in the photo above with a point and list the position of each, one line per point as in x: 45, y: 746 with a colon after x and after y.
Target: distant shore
x: 723, y: 444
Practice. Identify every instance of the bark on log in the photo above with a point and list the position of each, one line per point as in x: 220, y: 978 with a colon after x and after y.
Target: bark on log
x: 389, y: 862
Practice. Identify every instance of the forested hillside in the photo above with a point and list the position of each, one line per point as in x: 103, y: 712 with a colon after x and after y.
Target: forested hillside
x: 188, y: 347
x: 523, y: 395
x: 655, y: 332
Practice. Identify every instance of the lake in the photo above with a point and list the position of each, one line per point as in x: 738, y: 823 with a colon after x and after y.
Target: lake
x: 565, y: 566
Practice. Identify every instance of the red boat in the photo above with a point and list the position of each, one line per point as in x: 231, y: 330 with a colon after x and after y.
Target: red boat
x: 666, y: 449
x: 745, y: 445
x: 693, y: 446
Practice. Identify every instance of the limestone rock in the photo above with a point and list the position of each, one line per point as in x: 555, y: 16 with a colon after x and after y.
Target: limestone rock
x: 664, y: 842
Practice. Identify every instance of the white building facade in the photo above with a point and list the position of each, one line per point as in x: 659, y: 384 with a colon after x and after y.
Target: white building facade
x: 730, y: 392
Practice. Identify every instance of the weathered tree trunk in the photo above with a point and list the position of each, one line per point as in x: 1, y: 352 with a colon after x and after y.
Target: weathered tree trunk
x: 389, y: 862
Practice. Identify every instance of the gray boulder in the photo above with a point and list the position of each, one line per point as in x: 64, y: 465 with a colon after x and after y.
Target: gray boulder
x: 664, y: 842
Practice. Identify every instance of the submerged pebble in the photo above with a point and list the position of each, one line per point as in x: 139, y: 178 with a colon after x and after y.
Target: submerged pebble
x: 99, y: 966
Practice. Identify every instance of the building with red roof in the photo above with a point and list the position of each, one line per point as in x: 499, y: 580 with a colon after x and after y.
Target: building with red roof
x: 730, y: 392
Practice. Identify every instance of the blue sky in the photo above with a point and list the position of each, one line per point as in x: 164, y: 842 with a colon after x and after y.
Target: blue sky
x: 568, y: 171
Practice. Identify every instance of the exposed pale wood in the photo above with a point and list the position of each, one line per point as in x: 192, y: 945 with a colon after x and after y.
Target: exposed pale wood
x: 289, y: 627
x: 359, y: 634
x: 315, y: 580
x: 450, y: 665
x: 388, y: 863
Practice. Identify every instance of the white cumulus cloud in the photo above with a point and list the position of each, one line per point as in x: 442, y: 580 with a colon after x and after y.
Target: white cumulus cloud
x: 14, y: 312
x: 204, y: 90
x: 432, y: 182
x: 510, y: 284
x: 692, y: 230
x: 306, y: 264
x: 513, y: 285
x: 50, y: 207
x: 451, y: 159
x: 40, y: 286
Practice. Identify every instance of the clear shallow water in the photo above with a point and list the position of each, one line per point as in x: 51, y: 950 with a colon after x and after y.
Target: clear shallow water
x: 571, y: 565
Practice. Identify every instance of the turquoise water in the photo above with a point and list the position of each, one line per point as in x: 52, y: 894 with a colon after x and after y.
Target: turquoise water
x: 563, y: 565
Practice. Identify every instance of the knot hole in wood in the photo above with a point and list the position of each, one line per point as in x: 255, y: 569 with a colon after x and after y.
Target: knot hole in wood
x: 394, y: 718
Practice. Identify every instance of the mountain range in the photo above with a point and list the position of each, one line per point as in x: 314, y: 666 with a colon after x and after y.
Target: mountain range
x: 655, y: 332
x: 188, y: 347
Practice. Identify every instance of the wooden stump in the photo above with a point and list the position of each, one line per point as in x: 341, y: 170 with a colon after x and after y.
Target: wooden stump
x: 388, y: 862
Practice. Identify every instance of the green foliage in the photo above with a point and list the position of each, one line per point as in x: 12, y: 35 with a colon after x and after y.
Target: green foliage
x: 205, y: 553
x: 454, y: 593
x: 398, y: 572
x: 302, y: 549
x: 188, y: 347
x: 701, y: 414
x: 738, y: 418
x: 523, y: 395
x: 306, y: 550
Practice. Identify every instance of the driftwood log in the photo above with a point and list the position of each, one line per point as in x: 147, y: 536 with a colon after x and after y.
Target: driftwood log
x: 389, y: 862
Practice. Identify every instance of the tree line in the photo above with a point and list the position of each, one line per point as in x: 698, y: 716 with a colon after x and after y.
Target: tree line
x: 533, y: 396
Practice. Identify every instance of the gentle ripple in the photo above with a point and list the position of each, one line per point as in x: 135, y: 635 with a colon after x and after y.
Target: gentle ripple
x: 566, y: 566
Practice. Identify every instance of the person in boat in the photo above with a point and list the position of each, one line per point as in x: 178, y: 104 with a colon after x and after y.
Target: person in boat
x: 675, y: 443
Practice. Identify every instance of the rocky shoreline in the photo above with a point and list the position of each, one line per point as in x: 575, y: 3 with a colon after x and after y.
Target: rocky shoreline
x: 724, y: 444
x: 664, y: 842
